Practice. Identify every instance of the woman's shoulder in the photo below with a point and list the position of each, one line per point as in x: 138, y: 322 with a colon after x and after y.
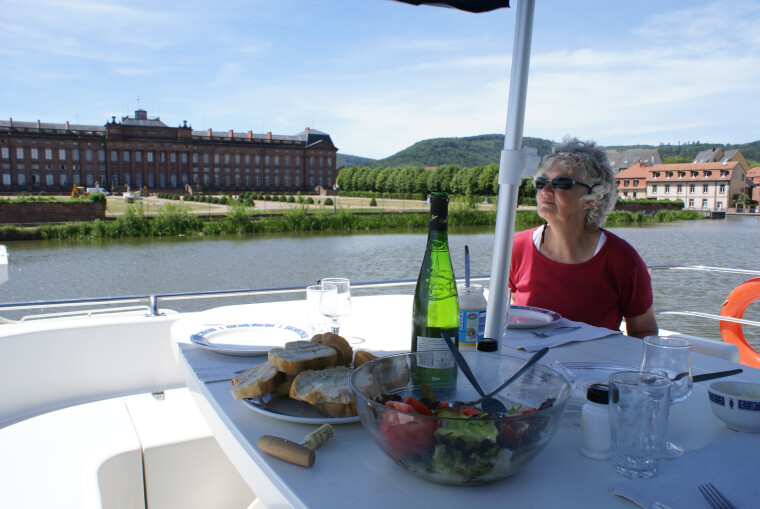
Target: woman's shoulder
x: 621, y: 247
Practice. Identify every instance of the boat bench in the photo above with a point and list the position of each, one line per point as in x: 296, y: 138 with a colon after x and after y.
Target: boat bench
x: 140, y: 451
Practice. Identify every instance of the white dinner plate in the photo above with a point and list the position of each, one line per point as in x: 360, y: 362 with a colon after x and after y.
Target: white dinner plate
x: 529, y: 317
x: 247, y: 339
x: 291, y: 410
x: 582, y: 375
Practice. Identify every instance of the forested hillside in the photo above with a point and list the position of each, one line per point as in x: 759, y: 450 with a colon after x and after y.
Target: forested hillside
x: 483, y: 150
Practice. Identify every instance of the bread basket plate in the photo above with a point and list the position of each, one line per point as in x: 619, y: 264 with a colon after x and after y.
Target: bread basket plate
x: 291, y: 410
x: 529, y: 317
x: 247, y: 339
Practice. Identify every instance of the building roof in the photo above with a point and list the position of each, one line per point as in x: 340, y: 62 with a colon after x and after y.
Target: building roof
x: 67, y: 126
x: 717, y: 170
x: 754, y: 172
x: 632, y: 156
x: 633, y: 178
x: 709, y: 156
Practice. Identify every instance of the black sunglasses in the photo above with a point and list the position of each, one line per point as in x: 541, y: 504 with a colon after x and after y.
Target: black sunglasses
x: 560, y: 183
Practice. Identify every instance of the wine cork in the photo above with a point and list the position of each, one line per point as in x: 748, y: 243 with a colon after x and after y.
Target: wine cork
x: 319, y: 436
x: 287, y: 450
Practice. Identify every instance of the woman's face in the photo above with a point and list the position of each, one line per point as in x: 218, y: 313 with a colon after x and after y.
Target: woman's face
x: 562, y: 206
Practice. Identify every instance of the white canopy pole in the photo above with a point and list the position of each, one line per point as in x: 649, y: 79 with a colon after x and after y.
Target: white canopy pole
x: 510, y: 171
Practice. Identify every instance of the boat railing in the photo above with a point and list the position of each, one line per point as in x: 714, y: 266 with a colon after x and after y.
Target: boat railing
x: 151, y: 303
x: 699, y: 314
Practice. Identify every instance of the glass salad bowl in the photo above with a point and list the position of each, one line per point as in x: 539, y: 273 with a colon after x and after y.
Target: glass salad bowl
x: 418, y: 419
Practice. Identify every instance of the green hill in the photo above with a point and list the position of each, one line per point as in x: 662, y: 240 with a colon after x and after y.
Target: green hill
x: 482, y: 150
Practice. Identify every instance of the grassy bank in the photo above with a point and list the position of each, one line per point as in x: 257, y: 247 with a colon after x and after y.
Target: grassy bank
x: 174, y: 221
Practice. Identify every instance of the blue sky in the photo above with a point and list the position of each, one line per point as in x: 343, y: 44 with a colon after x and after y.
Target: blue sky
x: 379, y: 76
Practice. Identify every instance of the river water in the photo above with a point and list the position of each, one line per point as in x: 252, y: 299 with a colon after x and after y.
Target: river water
x: 68, y: 269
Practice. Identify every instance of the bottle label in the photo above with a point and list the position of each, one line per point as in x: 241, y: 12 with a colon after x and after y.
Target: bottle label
x: 438, y: 355
x: 472, y: 326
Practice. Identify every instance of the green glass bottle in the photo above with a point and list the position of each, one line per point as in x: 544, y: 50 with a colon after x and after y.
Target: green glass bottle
x: 436, y: 308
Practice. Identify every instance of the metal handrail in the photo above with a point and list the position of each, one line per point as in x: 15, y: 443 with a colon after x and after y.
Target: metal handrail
x: 705, y: 268
x: 706, y: 315
x: 152, y: 300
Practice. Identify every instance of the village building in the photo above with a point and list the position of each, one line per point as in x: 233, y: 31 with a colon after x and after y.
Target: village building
x: 137, y: 152
x: 753, y: 176
x: 622, y: 160
x: 632, y: 182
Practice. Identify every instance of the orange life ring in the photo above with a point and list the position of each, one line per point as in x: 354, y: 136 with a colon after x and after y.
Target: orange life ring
x: 734, y: 306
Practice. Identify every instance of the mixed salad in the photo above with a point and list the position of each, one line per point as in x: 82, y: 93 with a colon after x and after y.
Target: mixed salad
x: 467, y: 442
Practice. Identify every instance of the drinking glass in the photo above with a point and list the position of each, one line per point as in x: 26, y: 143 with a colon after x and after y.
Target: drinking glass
x: 335, y: 301
x: 639, y: 404
x: 672, y: 357
x: 318, y: 323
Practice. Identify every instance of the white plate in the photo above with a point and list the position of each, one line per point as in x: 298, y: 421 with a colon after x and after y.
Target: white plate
x: 528, y: 317
x: 582, y: 375
x: 286, y: 409
x: 247, y: 339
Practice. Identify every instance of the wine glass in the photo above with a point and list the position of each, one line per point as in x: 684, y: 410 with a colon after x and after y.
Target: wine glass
x: 335, y: 300
x: 671, y: 357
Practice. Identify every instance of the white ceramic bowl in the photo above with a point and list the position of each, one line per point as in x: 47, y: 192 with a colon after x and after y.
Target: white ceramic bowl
x: 737, y: 404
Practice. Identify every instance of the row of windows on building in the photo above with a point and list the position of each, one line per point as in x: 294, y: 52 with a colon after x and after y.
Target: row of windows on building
x: 692, y: 188
x: 693, y: 173
x: 34, y: 154
x: 268, y: 181
x: 691, y: 203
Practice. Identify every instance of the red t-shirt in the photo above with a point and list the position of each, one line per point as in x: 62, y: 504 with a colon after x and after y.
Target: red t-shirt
x: 601, y: 291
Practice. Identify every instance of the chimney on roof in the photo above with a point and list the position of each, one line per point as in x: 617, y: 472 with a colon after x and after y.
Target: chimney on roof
x: 231, y: 133
x: 250, y: 135
x: 38, y: 124
x: 269, y: 136
x: 307, y: 129
x: 208, y: 132
x: 11, y: 121
x: 68, y: 127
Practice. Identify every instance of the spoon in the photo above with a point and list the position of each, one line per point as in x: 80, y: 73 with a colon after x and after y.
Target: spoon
x: 466, y: 266
x: 487, y: 402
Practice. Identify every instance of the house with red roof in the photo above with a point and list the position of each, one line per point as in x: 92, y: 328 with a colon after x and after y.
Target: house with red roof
x: 753, y: 175
x: 632, y: 182
x: 708, y: 186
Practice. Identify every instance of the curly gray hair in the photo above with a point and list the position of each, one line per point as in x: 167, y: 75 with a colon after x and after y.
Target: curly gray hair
x: 586, y: 162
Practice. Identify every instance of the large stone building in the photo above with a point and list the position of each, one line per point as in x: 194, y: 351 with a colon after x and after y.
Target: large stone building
x: 142, y: 151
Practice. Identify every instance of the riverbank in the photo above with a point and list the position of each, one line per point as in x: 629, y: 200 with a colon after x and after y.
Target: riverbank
x: 173, y: 220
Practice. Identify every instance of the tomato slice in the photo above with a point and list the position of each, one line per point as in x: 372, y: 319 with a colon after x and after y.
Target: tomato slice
x: 417, y: 405
x: 468, y: 411
x: 398, y: 405
x: 405, y: 434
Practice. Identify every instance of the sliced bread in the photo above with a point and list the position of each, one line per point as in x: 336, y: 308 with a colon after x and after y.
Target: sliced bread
x: 298, y: 356
x: 260, y: 379
x: 345, y: 352
x: 327, y: 389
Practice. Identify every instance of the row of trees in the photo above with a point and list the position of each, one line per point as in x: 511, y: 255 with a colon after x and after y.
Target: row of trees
x: 480, y: 180
x: 449, y: 178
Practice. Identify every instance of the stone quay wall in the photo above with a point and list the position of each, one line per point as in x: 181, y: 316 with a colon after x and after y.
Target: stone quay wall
x: 34, y: 213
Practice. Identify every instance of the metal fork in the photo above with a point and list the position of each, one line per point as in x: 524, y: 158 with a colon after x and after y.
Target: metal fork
x: 714, y: 497
x: 556, y: 330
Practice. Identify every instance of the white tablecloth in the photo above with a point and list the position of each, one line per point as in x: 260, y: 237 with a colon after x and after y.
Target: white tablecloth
x: 351, y: 471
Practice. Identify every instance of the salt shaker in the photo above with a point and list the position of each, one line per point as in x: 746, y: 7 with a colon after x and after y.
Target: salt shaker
x: 595, y: 423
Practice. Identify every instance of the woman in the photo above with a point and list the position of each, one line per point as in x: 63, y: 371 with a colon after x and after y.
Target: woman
x: 571, y: 265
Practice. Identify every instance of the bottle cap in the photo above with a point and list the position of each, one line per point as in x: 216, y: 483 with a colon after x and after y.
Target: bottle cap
x: 487, y: 345
x: 598, y: 393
